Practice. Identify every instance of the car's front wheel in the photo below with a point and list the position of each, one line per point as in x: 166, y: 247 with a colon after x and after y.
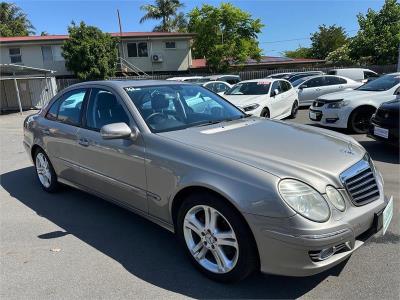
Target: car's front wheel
x: 360, y: 119
x: 216, y: 238
x: 45, y: 172
x: 295, y: 109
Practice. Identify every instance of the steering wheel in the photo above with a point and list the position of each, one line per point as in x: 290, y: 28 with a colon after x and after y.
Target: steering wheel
x: 153, y: 115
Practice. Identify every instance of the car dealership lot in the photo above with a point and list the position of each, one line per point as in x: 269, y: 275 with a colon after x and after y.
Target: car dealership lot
x: 74, y: 245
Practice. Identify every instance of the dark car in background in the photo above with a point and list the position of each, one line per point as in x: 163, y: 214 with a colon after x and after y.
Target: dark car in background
x: 385, y: 122
x: 295, y: 76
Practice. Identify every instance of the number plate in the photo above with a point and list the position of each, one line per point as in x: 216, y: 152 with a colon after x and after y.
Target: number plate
x: 387, y: 215
x: 382, y: 132
x: 312, y: 115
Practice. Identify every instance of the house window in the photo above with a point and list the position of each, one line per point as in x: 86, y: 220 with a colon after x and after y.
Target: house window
x: 47, y: 54
x: 52, y: 53
x: 137, y: 49
x: 170, y: 45
x: 15, y: 55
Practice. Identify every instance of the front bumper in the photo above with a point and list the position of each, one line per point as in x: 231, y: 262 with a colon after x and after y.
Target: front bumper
x: 328, y: 117
x: 286, y: 246
x: 392, y: 137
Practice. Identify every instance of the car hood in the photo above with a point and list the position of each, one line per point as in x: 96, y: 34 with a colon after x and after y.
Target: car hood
x: 282, y: 149
x: 350, y: 95
x: 243, y: 100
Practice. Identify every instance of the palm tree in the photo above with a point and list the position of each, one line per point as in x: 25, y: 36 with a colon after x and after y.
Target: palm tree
x: 13, y: 21
x: 161, y: 10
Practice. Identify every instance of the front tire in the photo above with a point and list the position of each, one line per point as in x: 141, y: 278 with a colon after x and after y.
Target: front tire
x: 45, y: 172
x: 216, y: 239
x: 265, y: 113
x: 295, y: 109
x: 360, y: 119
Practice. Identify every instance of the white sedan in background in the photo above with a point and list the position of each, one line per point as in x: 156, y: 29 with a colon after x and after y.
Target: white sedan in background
x: 353, y: 109
x: 218, y: 87
x: 269, y: 98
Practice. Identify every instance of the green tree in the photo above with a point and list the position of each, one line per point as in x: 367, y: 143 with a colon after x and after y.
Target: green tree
x: 224, y: 35
x: 340, y: 56
x: 378, y: 39
x: 90, y: 53
x: 13, y: 21
x: 300, y: 52
x: 164, y: 10
x: 326, y: 40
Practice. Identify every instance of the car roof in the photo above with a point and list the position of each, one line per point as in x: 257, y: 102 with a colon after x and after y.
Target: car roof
x: 215, y: 81
x: 130, y: 83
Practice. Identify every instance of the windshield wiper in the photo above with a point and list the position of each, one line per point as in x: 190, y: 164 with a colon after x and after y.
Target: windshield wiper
x: 211, y: 122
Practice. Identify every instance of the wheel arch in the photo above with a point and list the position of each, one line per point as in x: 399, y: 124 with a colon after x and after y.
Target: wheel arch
x: 181, y: 195
x: 358, y: 108
x: 35, y: 148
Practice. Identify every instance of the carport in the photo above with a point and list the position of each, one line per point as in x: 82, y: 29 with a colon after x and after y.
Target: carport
x: 23, y: 87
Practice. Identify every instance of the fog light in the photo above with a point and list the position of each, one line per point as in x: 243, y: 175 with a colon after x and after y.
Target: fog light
x: 326, y: 253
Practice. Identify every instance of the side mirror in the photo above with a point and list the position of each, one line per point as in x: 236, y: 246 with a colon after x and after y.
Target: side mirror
x: 303, y: 86
x: 275, y: 92
x: 118, y: 131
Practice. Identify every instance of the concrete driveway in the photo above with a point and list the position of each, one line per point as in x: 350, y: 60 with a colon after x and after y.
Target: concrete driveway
x: 74, y: 245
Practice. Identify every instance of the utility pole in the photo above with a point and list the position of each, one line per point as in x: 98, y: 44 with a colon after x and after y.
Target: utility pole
x: 122, y: 54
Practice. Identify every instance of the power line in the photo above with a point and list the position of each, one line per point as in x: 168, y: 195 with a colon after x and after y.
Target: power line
x: 297, y: 39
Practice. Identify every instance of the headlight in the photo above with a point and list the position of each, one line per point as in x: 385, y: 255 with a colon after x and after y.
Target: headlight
x: 251, y: 107
x: 335, y: 198
x: 338, y: 104
x: 304, y: 200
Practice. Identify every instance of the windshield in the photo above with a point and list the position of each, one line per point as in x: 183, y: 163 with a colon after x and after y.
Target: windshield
x: 250, y: 88
x: 179, y: 106
x: 299, y: 81
x: 380, y: 84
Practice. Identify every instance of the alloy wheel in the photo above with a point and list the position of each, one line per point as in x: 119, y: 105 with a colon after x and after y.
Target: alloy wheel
x: 43, y: 170
x: 211, y: 239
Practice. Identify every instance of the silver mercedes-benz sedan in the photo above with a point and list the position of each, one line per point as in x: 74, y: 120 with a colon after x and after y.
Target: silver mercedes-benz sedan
x: 241, y: 193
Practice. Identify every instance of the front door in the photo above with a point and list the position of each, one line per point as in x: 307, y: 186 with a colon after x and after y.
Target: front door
x: 114, y: 167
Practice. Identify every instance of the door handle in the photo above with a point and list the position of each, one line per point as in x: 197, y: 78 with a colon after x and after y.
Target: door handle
x: 317, y: 89
x: 83, y: 142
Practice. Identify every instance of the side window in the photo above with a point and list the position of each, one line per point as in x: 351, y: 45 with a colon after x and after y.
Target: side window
x: 104, y: 108
x: 70, y: 107
x: 211, y: 86
x: 331, y: 80
x: 368, y: 74
x: 220, y: 87
x: 53, y: 111
x: 276, y: 86
x: 314, y: 82
x: 285, y: 86
x: 397, y: 92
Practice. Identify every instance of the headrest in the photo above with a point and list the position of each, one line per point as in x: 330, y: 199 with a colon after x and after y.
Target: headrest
x: 159, y: 101
x: 106, y: 100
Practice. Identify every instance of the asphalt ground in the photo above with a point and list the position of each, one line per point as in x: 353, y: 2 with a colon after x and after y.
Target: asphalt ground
x: 74, y: 245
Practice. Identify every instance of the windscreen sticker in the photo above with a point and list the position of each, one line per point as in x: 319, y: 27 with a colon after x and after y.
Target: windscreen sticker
x: 266, y: 82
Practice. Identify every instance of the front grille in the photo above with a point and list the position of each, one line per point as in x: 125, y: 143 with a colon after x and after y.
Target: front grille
x: 360, y: 182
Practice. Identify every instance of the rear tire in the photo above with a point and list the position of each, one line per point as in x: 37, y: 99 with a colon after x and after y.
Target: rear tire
x: 360, y: 119
x: 265, y: 113
x: 295, y: 109
x: 45, y: 172
x: 204, y: 243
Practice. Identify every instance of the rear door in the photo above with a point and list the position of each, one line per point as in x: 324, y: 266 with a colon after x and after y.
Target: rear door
x: 114, y: 168
x: 59, y: 131
x: 311, y: 90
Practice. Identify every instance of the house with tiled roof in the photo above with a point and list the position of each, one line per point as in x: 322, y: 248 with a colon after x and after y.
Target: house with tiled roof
x: 140, y: 52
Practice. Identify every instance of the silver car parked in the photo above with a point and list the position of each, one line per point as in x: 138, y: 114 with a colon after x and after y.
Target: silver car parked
x: 232, y: 187
x: 310, y: 88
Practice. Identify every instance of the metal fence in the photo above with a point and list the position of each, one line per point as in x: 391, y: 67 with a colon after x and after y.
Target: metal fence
x: 244, y: 75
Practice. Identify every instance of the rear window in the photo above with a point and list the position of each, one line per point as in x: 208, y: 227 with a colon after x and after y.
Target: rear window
x: 250, y: 88
x: 332, y: 72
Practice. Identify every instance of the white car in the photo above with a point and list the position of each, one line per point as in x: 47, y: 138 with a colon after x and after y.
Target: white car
x: 354, y: 109
x: 218, y: 87
x: 310, y: 88
x: 185, y: 78
x: 269, y: 98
